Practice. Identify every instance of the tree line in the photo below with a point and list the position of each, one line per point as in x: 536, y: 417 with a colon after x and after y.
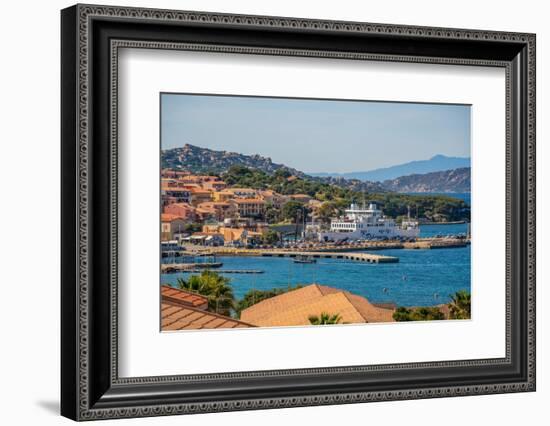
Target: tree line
x: 337, y: 198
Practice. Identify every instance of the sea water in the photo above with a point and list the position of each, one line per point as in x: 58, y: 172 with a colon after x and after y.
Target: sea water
x: 422, y: 277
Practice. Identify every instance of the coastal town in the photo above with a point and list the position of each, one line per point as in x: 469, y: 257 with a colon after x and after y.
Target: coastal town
x: 205, y: 210
x: 204, y: 218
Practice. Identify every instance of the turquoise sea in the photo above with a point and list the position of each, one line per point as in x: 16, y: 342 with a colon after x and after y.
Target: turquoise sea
x: 421, y: 277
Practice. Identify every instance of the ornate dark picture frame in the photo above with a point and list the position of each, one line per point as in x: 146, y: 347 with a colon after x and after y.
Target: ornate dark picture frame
x: 91, y: 37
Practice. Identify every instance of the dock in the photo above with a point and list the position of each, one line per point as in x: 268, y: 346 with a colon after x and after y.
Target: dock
x: 226, y: 271
x: 358, y: 257
x: 436, y: 243
x: 167, y: 268
x: 331, y: 249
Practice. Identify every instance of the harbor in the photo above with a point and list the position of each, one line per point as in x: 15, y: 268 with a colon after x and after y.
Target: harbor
x: 419, y: 278
x: 423, y: 272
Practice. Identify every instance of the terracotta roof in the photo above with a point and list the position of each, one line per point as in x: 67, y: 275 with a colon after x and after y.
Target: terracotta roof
x: 200, y: 191
x: 241, y: 189
x: 175, y: 316
x: 165, y: 172
x: 206, y: 210
x: 183, y: 205
x: 296, y: 306
x: 193, y: 178
x: 167, y: 217
x: 174, y: 189
x: 213, y: 204
x: 183, y: 297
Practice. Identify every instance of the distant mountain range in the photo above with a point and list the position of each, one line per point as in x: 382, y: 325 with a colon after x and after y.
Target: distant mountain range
x: 456, y: 180
x: 449, y: 175
x: 437, y: 163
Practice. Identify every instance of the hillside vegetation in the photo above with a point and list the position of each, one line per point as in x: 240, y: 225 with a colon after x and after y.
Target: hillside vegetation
x: 438, y: 208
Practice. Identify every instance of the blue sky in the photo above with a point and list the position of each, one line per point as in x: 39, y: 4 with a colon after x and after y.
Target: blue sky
x: 317, y: 135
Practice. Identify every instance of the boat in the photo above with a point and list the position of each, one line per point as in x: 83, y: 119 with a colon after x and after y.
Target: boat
x: 171, y: 248
x: 368, y: 223
x: 304, y: 259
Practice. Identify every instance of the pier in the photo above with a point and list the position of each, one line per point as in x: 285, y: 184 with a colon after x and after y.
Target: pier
x: 227, y: 271
x: 358, y: 257
x: 436, y: 243
x: 167, y: 268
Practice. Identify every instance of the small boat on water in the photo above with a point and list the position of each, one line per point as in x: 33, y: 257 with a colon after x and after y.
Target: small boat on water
x: 304, y: 259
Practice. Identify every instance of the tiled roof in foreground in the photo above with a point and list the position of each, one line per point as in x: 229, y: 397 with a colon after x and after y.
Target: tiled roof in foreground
x: 296, y: 306
x: 184, y: 297
x: 179, y: 317
x: 183, y: 310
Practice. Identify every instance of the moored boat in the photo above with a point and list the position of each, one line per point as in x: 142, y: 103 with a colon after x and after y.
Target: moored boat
x: 304, y: 259
x: 368, y: 223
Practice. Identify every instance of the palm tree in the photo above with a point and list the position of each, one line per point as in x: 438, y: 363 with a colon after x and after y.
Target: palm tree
x: 460, y: 305
x: 325, y: 319
x: 194, y: 285
x: 221, y: 298
x: 214, y: 287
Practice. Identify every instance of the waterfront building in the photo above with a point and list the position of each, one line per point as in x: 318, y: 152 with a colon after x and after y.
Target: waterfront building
x: 232, y: 235
x: 184, y: 310
x: 297, y: 306
x: 171, y: 226
x: 183, y: 210
x: 207, y: 238
x: 368, y: 223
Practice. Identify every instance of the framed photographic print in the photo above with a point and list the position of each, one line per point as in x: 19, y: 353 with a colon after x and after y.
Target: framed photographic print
x: 263, y: 212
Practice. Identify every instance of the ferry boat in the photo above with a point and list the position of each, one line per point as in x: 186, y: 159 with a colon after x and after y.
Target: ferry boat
x: 364, y: 223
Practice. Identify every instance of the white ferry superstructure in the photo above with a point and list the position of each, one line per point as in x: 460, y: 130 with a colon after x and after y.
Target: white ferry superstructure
x: 368, y: 223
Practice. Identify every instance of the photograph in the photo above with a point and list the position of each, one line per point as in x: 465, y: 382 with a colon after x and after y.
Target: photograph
x: 301, y: 212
